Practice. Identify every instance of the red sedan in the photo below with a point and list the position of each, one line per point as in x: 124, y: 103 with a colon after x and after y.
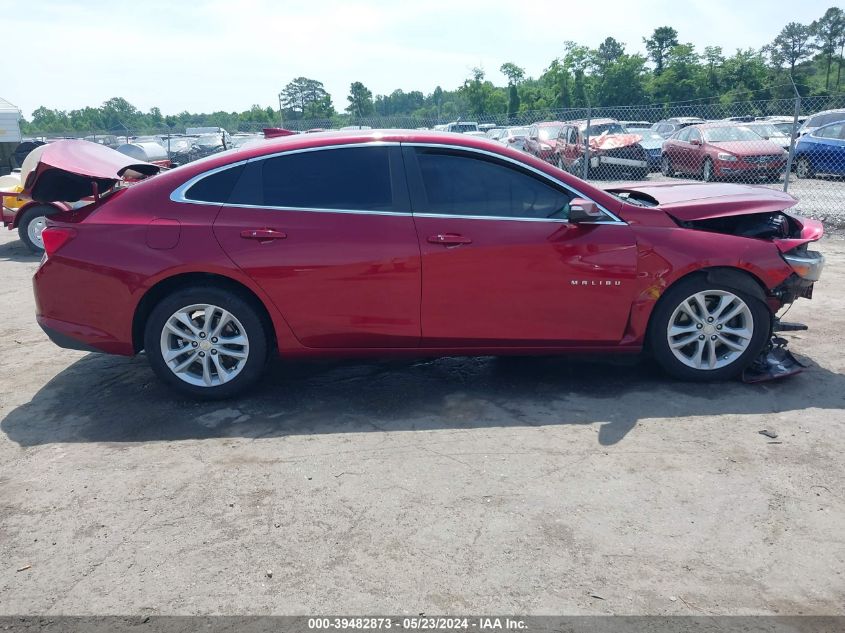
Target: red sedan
x: 718, y: 150
x: 404, y: 242
x: 541, y: 139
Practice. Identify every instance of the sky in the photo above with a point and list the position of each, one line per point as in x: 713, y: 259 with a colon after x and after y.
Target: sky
x: 209, y: 55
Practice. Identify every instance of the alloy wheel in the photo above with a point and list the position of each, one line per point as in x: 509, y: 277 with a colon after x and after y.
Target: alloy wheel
x: 710, y: 329
x: 204, y: 345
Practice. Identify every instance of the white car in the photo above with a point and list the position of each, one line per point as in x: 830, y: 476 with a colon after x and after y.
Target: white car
x: 770, y: 132
x: 821, y: 118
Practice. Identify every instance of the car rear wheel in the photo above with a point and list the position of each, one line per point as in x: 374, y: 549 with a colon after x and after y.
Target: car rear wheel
x: 803, y: 168
x: 707, y: 170
x: 206, y: 342
x: 703, y: 331
x: 666, y: 166
x: 32, y: 224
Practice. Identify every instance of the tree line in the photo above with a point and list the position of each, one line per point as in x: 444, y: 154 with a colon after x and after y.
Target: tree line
x: 810, y: 55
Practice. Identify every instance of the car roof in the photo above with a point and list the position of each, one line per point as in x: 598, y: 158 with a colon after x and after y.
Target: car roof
x: 548, y: 123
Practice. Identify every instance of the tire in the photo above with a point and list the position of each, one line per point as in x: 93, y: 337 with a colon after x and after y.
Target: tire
x: 666, y: 166
x: 803, y: 168
x: 707, y: 174
x: 560, y: 164
x: 721, y: 358
x: 210, y: 368
x: 31, y: 225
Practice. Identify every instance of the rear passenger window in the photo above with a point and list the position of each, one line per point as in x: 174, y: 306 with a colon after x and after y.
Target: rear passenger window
x: 216, y: 187
x: 459, y: 184
x: 354, y: 178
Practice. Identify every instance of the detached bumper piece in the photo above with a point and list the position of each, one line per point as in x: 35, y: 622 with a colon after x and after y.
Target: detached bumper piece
x: 775, y: 362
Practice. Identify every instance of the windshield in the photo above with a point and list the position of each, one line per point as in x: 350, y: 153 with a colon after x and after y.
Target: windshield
x: 549, y: 132
x: 785, y: 128
x: 605, y: 128
x: 518, y: 131
x: 725, y: 134
x: 766, y: 130
x: 647, y: 133
x: 465, y: 127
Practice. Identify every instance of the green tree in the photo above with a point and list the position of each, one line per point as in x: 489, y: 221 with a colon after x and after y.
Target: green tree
x: 514, y: 73
x: 608, y: 52
x: 621, y: 82
x: 306, y: 98
x: 360, y: 100
x: 713, y: 59
x: 828, y: 30
x: 659, y: 44
x: 791, y: 45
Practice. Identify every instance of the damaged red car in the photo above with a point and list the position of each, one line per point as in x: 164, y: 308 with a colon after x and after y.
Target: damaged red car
x: 375, y: 243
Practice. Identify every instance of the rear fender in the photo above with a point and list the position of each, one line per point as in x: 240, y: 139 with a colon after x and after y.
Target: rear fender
x: 60, y: 207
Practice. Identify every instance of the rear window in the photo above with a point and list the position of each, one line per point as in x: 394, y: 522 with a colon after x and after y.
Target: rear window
x: 355, y: 178
x: 216, y: 187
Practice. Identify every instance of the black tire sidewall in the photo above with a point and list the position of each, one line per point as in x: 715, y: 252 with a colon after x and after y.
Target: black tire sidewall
x: 243, y: 310
x: 658, y: 324
x: 23, y: 225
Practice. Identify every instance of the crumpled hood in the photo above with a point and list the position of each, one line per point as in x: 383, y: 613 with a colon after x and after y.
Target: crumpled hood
x: 606, y: 142
x: 702, y: 201
x: 67, y: 170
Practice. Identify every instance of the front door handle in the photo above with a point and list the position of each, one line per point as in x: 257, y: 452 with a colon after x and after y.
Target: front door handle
x: 449, y: 239
x: 263, y: 235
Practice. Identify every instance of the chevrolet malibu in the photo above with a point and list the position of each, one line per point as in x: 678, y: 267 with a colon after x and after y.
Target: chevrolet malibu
x: 374, y: 243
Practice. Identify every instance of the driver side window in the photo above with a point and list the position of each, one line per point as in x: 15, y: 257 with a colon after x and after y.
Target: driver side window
x: 469, y: 184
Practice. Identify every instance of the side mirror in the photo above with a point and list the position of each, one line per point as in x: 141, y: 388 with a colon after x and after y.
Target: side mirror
x: 583, y: 211
x: 695, y: 141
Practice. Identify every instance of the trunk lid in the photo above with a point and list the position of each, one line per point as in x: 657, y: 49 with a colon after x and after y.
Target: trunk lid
x: 69, y: 170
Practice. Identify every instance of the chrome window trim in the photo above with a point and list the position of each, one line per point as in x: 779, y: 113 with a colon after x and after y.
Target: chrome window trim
x: 613, y: 218
x: 178, y: 194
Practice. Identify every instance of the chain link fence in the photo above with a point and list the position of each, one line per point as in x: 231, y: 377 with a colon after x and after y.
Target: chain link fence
x: 797, y: 145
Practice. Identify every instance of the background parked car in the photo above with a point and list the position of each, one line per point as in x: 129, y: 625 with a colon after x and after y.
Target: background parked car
x: 514, y: 137
x: 540, y: 141
x: 613, y: 151
x: 770, y: 132
x: 822, y: 151
x: 667, y: 127
x: 717, y: 150
x: 821, y: 118
x: 652, y: 143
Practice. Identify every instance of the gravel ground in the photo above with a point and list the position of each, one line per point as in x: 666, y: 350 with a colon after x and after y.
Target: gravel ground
x: 449, y: 485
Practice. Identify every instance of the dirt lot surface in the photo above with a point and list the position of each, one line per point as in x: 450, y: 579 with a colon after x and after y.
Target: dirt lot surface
x: 449, y: 485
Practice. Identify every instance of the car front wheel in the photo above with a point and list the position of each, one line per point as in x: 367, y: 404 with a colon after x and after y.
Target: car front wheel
x: 666, y: 166
x: 803, y: 168
x: 707, y: 170
x: 703, y: 331
x: 206, y: 342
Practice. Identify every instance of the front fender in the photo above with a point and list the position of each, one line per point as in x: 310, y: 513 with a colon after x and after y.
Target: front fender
x: 666, y: 255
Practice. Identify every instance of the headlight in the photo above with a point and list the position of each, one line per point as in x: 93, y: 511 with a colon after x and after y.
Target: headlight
x: 545, y: 146
x: 807, y: 265
x: 726, y: 157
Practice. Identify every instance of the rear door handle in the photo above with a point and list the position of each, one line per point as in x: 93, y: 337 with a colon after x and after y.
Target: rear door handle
x: 449, y: 239
x: 263, y: 235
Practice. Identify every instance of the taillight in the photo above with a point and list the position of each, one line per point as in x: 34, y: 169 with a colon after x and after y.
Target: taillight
x: 55, y: 237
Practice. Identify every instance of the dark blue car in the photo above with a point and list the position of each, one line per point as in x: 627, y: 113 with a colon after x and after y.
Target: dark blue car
x: 822, y: 151
x: 652, y: 143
